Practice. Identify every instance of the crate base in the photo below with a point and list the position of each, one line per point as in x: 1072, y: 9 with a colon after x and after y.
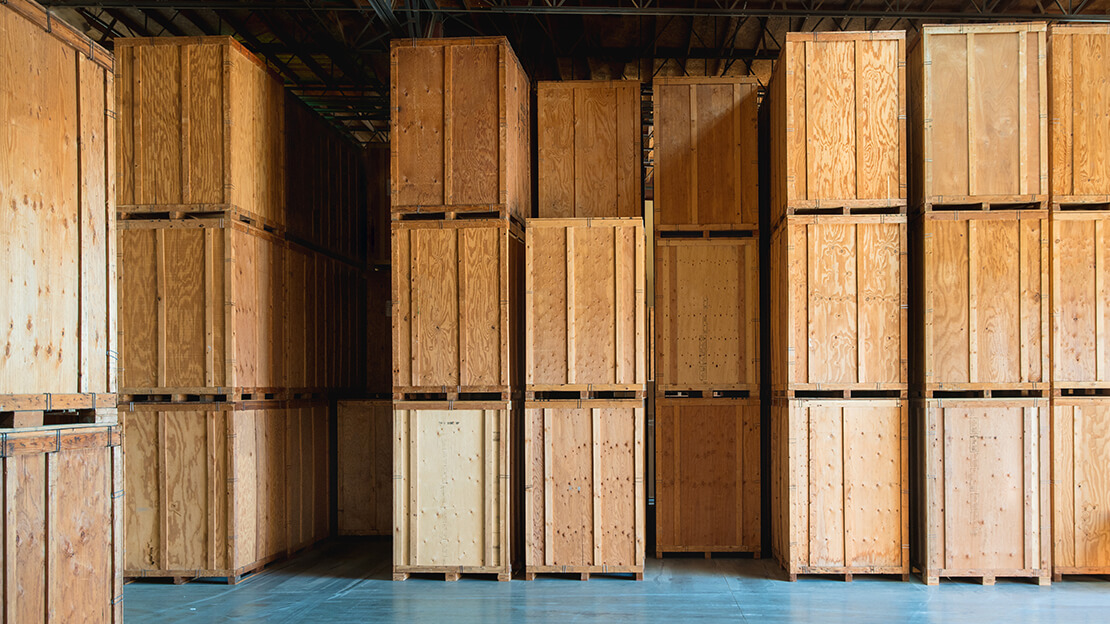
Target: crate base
x: 847, y: 573
x: 709, y: 551
x: 727, y: 393
x: 987, y: 204
x: 48, y: 402
x: 177, y: 577
x: 842, y: 393
x: 1081, y: 391
x: 442, y: 396
x: 985, y: 577
x: 1058, y: 574
x: 584, y: 572
x: 970, y: 391
x: 593, y: 394
x: 450, y: 573
x: 206, y: 395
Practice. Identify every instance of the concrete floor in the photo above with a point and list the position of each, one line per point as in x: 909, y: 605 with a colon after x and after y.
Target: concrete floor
x: 345, y: 581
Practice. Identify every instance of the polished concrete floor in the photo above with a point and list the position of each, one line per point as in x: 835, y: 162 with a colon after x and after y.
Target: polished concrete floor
x: 345, y: 581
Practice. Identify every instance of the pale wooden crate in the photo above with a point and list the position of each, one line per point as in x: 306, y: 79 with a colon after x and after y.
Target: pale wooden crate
x: 63, y: 510
x: 983, y: 501
x: 1080, y: 302
x: 588, y: 146
x: 220, y: 490
x: 707, y: 314
x: 365, y: 467
x: 457, y: 297
x: 1078, y: 128
x: 585, y: 305
x: 453, y: 471
x: 707, y: 476
x: 1080, y: 482
x: 57, y: 202
x: 840, y: 486
x: 201, y: 124
x: 460, y: 132
x: 584, y: 488
x: 981, y: 304
x: 840, y: 304
x: 706, y: 151
x: 838, y: 124
x: 979, y: 117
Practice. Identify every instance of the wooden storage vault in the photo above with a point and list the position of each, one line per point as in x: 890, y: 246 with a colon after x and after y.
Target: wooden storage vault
x: 1079, y: 129
x: 201, y: 124
x: 838, y: 124
x: 1080, y: 486
x: 588, y: 141
x: 585, y: 305
x: 707, y: 314
x: 706, y: 152
x: 460, y: 132
x: 57, y: 205
x: 457, y: 306
x: 839, y: 304
x: 707, y: 476
x: 979, y: 116
x: 1080, y: 302
x: 220, y: 489
x: 983, y: 503
x: 840, y: 486
x: 583, y: 487
x: 452, y: 497
x: 981, y: 307
x: 63, y: 524
x: 365, y: 464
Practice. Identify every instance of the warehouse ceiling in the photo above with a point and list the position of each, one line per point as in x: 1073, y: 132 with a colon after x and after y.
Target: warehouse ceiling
x: 334, y: 54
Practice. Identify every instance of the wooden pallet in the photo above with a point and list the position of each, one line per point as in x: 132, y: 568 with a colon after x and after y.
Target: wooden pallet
x: 583, y: 573
x: 839, y: 305
x: 986, y: 578
x: 847, y: 574
x: 587, y: 393
x: 1077, y: 73
x: 840, y: 486
x: 708, y: 552
x: 584, y: 502
x: 983, y: 499
x: 212, y: 103
x: 963, y: 81
x: 986, y: 391
x: 838, y: 124
x: 461, y: 125
x: 586, y: 323
x: 588, y: 148
x: 450, y: 573
x: 364, y: 457
x: 706, y: 150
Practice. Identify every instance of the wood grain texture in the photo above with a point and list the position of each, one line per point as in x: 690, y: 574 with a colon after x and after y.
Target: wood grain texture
x: 365, y: 460
x: 1079, y: 84
x: 705, y: 144
x: 1080, y: 484
x: 985, y: 495
x: 840, y: 486
x: 707, y: 469
x: 590, y: 450
x: 56, y: 244
x: 461, y: 127
x: 1079, y: 300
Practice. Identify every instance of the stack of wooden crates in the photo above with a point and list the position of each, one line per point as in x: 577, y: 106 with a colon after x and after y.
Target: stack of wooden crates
x: 585, y: 340
x: 706, y: 316
x: 839, y: 449
x: 460, y: 190
x: 61, y: 495
x: 980, y: 255
x: 1079, y: 221
x: 239, y: 290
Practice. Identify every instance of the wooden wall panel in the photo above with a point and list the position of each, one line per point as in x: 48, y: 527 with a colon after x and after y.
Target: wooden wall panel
x: 1080, y: 486
x: 1080, y: 298
x: 1079, y: 89
x: 365, y: 460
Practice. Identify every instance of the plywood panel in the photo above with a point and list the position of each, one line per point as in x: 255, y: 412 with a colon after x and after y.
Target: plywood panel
x: 1081, y: 538
x: 1080, y: 291
x: 365, y: 460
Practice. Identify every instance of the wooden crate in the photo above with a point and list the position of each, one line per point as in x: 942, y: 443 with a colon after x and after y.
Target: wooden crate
x: 707, y: 476
x: 221, y: 489
x: 200, y: 305
x: 460, y: 132
x: 588, y: 141
x: 326, y: 197
x: 1080, y: 302
x: 379, y: 332
x: 1079, y: 130
x: 200, y: 129
x: 982, y: 502
x: 707, y: 315
x: 838, y: 124
x: 840, y: 486
x: 456, y: 307
x: 452, y: 496
x: 1080, y: 483
x: 57, y: 205
x: 839, y: 305
x: 981, y: 307
x: 584, y: 487
x: 584, y: 305
x: 978, y: 116
x: 63, y: 526
x: 706, y: 151
x: 365, y: 467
